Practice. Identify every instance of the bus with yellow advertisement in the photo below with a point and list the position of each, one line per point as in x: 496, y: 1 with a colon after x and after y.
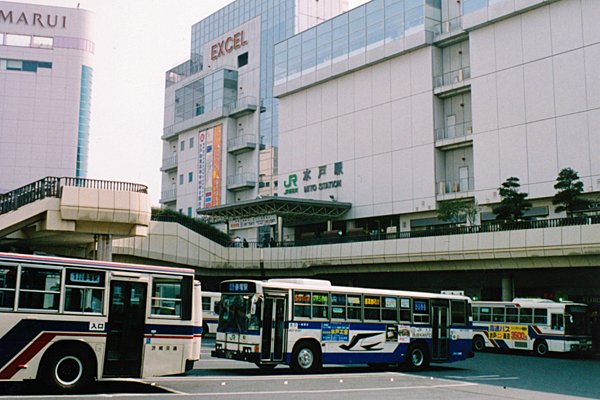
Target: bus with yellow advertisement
x: 538, y: 325
x: 308, y: 323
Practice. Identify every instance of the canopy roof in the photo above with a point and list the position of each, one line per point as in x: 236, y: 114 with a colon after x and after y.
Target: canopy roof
x: 288, y: 208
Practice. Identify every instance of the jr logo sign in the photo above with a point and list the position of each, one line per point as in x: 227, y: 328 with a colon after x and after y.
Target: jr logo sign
x: 291, y: 182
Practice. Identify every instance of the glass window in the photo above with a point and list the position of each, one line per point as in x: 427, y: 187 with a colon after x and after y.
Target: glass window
x: 302, y: 304
x: 42, y: 42
x: 405, y: 313
x: 389, y: 310
x: 338, y: 306
x: 498, y: 314
x: 181, y: 179
x: 373, y: 307
x: 39, y: 289
x: 558, y: 322
x: 485, y: 314
x: 205, y: 303
x: 8, y: 279
x: 166, y: 297
x: 459, y: 312
x: 526, y: 315
x: 512, y: 314
x: 540, y: 316
x: 354, y: 306
x: 182, y: 146
x: 421, y: 310
x: 191, y: 143
x: 84, y: 291
x: 17, y: 40
x: 319, y: 305
x: 190, y: 176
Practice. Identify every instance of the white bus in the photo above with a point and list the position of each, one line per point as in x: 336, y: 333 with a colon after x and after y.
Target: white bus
x: 540, y: 325
x: 210, y: 312
x: 308, y: 323
x: 67, y: 322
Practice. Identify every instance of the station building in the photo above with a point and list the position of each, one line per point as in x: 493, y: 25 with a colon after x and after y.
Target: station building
x: 398, y: 106
x: 46, y: 61
x: 220, y: 139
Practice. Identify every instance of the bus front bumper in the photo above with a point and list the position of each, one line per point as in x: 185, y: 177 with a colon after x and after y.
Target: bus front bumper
x: 236, y: 355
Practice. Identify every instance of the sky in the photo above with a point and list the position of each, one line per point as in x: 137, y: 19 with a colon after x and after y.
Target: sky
x: 137, y: 41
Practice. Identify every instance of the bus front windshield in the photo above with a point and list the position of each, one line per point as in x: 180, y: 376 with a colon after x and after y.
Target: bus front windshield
x: 236, y: 313
x: 576, y: 321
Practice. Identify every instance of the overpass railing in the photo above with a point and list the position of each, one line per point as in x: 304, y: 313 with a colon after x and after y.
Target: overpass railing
x: 457, y: 230
x: 52, y: 187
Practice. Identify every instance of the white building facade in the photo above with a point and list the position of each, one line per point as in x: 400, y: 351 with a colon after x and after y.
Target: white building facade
x: 412, y: 103
x: 220, y: 139
x: 46, y: 61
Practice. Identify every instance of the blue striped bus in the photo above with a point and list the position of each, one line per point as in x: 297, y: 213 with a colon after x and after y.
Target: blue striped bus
x: 66, y: 322
x: 307, y: 323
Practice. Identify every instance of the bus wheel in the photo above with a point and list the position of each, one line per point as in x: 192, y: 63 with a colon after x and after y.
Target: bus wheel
x: 417, y: 358
x: 540, y: 347
x: 478, y: 343
x: 305, y: 358
x: 68, y: 370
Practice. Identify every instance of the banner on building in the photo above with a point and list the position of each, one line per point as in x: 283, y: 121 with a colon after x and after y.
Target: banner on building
x: 253, y: 222
x: 201, y: 167
x: 216, y: 175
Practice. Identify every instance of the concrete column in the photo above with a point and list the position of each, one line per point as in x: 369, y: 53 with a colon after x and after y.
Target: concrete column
x: 105, y: 248
x: 508, y: 292
x: 329, y: 225
x: 279, y: 229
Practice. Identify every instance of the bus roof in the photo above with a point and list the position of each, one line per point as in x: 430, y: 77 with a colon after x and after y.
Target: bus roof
x: 520, y: 302
x: 316, y: 284
x: 83, y: 263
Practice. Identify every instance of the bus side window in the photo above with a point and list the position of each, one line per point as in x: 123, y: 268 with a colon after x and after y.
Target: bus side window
x: 84, y: 291
x: 526, y: 316
x: 485, y: 314
x: 557, y: 322
x: 166, y: 296
x: 475, y: 314
x: 512, y: 314
x: 302, y: 304
x: 459, y: 314
x: 320, y: 303
x: 373, y: 308
x: 40, y: 288
x: 338, y: 306
x: 354, y: 307
x: 8, y: 282
x: 389, y: 311
x: 498, y: 314
x: 405, y: 315
x: 540, y: 316
x: 205, y: 303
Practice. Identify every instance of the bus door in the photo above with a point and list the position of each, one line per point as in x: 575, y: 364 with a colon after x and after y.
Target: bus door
x: 273, y: 328
x: 440, y: 331
x: 125, y: 329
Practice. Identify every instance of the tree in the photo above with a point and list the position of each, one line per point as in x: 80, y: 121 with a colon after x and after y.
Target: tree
x: 569, y: 187
x: 513, y: 205
x: 456, y: 211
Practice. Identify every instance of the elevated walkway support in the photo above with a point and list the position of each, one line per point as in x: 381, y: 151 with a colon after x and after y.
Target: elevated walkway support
x: 68, y: 216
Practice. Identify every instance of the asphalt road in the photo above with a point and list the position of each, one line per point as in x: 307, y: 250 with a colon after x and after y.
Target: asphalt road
x: 487, y: 376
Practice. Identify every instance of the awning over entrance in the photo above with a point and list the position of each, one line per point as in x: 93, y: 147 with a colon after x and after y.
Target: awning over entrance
x: 292, y: 210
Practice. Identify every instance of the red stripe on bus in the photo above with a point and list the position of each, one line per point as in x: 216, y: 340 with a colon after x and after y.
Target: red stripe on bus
x: 34, y: 348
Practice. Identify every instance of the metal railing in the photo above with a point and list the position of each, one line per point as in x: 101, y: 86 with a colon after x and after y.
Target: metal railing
x: 501, y: 226
x: 241, y: 141
x: 454, y: 131
x: 447, y: 26
x: 248, y: 102
x: 241, y: 179
x: 168, y: 195
x: 169, y: 162
x: 452, y: 77
x: 52, y: 187
x: 456, y: 186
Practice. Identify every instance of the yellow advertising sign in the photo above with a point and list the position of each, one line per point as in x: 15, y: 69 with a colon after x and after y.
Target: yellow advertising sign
x: 508, y: 332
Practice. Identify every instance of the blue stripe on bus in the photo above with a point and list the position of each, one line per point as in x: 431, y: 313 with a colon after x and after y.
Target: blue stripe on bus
x: 23, y: 333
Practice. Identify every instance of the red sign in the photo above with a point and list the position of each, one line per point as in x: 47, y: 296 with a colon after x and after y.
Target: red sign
x: 228, y: 45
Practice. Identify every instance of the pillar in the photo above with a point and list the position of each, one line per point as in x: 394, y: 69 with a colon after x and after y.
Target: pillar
x: 105, y: 248
x: 508, y: 292
x: 279, y: 229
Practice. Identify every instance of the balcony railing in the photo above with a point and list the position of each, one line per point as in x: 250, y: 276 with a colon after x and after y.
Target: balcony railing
x: 246, y: 180
x: 168, y: 195
x: 452, y: 77
x: 169, y: 163
x: 456, y: 186
x: 242, y: 143
x: 244, y: 106
x: 454, y: 131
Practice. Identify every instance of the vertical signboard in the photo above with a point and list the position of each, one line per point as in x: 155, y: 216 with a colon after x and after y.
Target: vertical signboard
x: 209, y: 168
x: 201, y: 167
x: 216, y: 176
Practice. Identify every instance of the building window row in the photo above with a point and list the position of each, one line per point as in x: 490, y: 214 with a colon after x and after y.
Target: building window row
x: 40, y: 42
x: 23, y: 65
